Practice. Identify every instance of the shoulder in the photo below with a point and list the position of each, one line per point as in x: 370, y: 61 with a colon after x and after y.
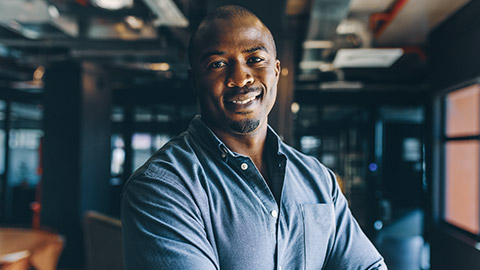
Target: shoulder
x: 170, y: 163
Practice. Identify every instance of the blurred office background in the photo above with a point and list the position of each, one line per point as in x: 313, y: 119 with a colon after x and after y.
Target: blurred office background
x: 384, y: 92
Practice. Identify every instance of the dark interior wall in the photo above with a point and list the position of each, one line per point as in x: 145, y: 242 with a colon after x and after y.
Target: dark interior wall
x: 60, y: 181
x: 454, y: 58
x: 449, y: 251
x: 454, y: 47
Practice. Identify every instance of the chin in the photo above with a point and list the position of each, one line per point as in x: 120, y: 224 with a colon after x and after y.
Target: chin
x: 245, y: 126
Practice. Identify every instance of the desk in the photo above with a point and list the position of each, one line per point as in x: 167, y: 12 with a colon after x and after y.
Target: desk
x: 22, y: 248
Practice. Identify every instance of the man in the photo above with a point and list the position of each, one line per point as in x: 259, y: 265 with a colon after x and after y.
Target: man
x: 227, y: 193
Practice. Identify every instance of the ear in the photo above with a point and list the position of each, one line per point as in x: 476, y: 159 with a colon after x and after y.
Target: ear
x: 277, y: 68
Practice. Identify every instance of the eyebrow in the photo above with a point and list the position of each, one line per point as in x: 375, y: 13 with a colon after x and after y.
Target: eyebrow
x: 254, y: 49
x: 258, y: 48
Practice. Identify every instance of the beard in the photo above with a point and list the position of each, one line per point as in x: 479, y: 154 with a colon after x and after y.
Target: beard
x: 245, y: 126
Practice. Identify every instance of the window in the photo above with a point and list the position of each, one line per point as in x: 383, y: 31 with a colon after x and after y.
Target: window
x: 461, y: 156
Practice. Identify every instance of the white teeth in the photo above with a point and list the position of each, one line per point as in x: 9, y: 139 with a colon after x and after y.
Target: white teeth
x: 243, y: 101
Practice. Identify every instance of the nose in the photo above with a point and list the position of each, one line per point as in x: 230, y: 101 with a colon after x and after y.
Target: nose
x: 239, y: 75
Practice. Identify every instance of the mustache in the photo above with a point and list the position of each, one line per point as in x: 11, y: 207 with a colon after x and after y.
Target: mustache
x: 245, y: 89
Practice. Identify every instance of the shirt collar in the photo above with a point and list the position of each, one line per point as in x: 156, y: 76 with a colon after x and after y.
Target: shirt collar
x: 207, y: 138
x: 200, y: 131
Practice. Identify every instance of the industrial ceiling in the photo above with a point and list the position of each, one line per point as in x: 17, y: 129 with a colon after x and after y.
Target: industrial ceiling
x: 339, y: 44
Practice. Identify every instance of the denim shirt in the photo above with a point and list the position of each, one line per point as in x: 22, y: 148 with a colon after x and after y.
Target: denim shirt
x: 197, y: 205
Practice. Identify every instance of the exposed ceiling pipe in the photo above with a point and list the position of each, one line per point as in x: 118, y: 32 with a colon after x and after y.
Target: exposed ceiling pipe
x: 325, y: 16
x: 82, y: 2
x: 380, y: 21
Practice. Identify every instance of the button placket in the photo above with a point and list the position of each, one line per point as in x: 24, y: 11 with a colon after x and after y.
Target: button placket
x: 261, y: 188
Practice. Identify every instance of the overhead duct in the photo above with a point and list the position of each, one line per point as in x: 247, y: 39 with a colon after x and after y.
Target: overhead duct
x: 35, y: 19
x: 167, y: 13
x: 325, y: 16
x: 31, y: 11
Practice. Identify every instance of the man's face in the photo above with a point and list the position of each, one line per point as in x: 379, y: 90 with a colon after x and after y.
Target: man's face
x: 235, y: 74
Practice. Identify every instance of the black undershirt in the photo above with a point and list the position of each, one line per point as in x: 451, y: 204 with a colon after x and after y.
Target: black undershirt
x: 275, y: 166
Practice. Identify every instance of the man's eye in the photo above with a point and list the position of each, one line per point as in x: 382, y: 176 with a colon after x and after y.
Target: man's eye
x: 255, y: 60
x: 217, y: 64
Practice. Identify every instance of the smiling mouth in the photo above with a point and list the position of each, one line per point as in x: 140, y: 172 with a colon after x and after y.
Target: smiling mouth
x: 244, y: 101
x: 240, y: 102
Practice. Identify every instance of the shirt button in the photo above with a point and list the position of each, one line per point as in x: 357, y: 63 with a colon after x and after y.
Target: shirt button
x: 274, y: 213
x: 224, y: 155
x: 244, y: 166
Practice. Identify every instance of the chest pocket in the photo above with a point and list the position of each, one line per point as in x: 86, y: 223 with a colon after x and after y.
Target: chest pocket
x: 319, y: 226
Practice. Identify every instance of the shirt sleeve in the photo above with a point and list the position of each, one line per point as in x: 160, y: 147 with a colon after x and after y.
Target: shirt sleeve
x: 352, y: 249
x: 162, y: 226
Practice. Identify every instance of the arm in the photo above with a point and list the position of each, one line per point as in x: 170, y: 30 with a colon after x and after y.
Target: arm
x: 162, y: 226
x: 352, y: 249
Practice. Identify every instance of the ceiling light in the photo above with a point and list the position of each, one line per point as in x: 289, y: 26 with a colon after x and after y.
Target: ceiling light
x: 341, y: 85
x: 311, y: 64
x: 134, y: 22
x: 113, y: 4
x: 295, y: 107
x: 53, y: 11
x: 366, y: 58
x: 38, y: 73
x: 158, y: 66
x: 347, y: 28
x: 326, y: 67
x: 318, y: 44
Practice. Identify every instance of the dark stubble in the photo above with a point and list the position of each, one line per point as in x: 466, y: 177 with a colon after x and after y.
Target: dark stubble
x: 245, y: 126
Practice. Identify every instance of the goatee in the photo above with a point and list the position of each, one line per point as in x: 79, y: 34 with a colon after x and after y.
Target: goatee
x: 245, y: 126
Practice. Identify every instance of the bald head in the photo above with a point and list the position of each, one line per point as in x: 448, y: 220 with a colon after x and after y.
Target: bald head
x: 219, y: 18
